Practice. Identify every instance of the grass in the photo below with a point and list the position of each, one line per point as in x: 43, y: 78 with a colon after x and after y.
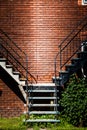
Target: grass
x: 17, y: 124
x: 12, y: 124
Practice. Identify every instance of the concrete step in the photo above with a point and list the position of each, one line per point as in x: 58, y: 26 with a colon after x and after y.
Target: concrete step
x: 64, y: 73
x: 3, y: 59
x: 56, y: 79
x: 9, y: 70
x: 75, y: 60
x: 42, y: 91
x: 2, y: 63
x: 43, y: 85
x: 9, y: 66
x: 38, y: 98
x: 42, y: 120
x: 71, y: 67
x: 44, y: 112
x: 43, y: 105
x: 14, y: 75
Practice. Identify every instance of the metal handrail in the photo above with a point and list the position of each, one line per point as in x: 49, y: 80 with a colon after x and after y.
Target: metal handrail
x: 13, y: 48
x: 1, y: 31
x: 78, y: 24
x: 66, y: 42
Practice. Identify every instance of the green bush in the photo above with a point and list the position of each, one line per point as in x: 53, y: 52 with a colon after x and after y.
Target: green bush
x: 74, y: 102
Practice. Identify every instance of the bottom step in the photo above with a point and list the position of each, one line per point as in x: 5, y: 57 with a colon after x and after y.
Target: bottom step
x: 43, y: 120
x: 44, y: 112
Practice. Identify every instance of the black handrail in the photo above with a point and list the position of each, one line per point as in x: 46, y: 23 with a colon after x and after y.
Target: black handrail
x: 78, y: 24
x: 67, y: 42
x: 17, y: 54
x: 1, y: 31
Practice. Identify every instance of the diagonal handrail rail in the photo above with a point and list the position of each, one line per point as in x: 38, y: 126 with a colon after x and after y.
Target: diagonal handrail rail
x: 78, y: 24
x: 74, y: 38
x: 16, y: 54
x: 1, y: 31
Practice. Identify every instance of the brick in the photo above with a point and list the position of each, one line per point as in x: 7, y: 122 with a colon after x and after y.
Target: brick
x: 10, y: 104
x: 38, y: 27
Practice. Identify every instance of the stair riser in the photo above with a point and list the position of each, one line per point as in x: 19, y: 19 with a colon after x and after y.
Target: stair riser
x: 71, y: 70
x: 21, y: 83
x: 82, y: 55
x: 16, y: 77
x: 76, y: 61
x: 9, y: 70
x: 64, y: 79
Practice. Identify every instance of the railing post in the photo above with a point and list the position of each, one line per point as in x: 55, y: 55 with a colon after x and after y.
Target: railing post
x: 27, y: 101
x: 55, y: 94
x: 26, y: 73
x: 60, y: 57
x: 55, y: 70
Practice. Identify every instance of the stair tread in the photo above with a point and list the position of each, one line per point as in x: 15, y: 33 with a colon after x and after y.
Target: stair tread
x: 70, y: 65
x: 43, y: 112
x: 66, y: 72
x: 76, y: 59
x: 46, y: 91
x: 2, y: 59
x: 15, y: 72
x: 42, y: 88
x: 22, y: 79
x: 42, y: 120
x: 9, y: 66
x: 58, y: 78
x: 82, y: 52
x: 41, y: 105
x: 43, y: 98
x: 42, y: 85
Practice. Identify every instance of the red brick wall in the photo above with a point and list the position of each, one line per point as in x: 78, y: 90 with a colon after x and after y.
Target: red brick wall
x: 38, y: 26
x: 10, y: 104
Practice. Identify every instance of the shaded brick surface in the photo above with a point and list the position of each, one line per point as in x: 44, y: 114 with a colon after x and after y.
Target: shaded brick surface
x: 10, y: 104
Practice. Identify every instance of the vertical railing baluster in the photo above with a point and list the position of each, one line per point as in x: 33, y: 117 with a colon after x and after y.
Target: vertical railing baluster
x: 60, y: 58
x: 27, y: 94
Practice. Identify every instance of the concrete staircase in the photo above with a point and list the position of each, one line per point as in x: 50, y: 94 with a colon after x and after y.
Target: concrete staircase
x: 14, y: 75
x: 76, y: 66
x: 42, y: 99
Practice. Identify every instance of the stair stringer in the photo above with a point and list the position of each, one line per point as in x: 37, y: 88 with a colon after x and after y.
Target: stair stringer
x: 41, y: 92
x: 76, y: 64
x: 15, y: 77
